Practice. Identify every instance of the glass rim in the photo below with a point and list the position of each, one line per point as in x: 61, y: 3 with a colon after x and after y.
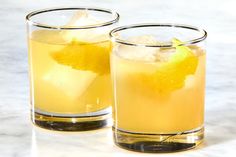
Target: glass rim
x: 171, y: 25
x: 102, y: 24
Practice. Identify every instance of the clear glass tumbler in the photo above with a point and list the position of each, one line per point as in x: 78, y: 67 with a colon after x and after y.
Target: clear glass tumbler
x: 158, y: 78
x: 69, y: 50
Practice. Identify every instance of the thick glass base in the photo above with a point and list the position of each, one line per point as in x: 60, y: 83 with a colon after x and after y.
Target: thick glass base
x: 158, y: 143
x: 67, y: 123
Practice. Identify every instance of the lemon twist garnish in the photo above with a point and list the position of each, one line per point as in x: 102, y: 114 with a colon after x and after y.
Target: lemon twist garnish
x: 171, y: 75
x: 85, y: 56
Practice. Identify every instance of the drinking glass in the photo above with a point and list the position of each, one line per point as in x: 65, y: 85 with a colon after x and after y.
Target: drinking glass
x: 158, y: 79
x: 69, y: 67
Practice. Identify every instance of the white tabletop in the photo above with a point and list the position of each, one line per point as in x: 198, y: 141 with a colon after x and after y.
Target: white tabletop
x: 18, y: 138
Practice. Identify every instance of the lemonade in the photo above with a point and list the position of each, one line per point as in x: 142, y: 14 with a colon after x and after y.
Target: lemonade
x: 69, y: 77
x: 159, y: 95
x: 158, y: 79
x: 69, y: 66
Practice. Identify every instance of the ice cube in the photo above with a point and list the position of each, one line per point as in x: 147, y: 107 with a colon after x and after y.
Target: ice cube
x: 138, y: 52
x: 83, y: 19
x: 198, y: 51
x: 69, y: 81
x: 164, y: 54
x: 190, y: 81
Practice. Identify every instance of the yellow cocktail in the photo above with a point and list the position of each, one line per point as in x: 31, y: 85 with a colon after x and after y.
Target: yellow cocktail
x: 70, y: 72
x: 158, y: 92
x: 159, y: 97
x: 69, y: 78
